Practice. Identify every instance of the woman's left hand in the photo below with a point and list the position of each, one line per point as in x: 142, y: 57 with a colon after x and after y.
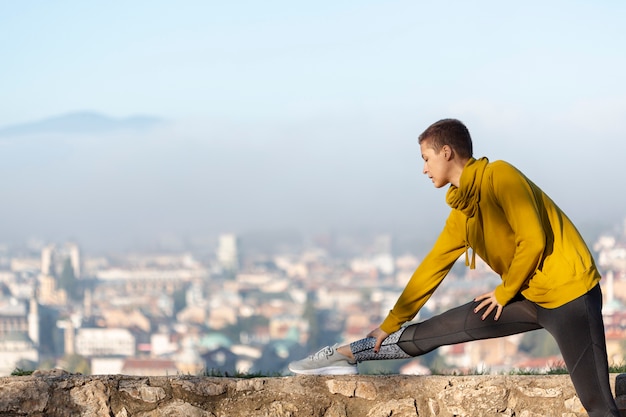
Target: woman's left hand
x: 488, y: 300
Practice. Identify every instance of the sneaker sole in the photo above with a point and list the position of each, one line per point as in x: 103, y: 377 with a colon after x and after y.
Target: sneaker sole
x: 331, y: 370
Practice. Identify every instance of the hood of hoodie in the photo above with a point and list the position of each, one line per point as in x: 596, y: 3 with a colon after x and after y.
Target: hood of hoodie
x: 466, y: 196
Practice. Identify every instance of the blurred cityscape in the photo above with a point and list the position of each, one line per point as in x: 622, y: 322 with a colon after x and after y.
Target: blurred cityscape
x: 226, y: 310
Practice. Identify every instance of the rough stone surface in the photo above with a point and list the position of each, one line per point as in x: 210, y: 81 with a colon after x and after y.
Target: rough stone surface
x: 61, y: 394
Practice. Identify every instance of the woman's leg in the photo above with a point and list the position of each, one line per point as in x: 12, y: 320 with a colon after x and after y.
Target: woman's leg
x: 458, y: 325
x: 578, y: 329
x: 363, y: 350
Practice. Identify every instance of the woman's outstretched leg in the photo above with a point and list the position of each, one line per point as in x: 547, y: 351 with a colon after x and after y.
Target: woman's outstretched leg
x: 458, y: 325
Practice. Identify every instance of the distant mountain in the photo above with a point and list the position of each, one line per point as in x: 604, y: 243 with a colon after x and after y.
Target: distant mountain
x: 81, y: 123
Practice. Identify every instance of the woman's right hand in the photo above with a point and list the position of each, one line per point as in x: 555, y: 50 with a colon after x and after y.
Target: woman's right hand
x: 380, y: 336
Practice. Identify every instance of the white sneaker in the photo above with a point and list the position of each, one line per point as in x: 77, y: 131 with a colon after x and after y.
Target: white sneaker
x: 327, y: 361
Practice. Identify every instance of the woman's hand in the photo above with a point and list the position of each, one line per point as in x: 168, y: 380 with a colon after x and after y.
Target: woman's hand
x: 488, y: 300
x: 380, y: 336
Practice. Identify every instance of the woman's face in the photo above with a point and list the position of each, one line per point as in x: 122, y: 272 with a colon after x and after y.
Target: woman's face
x: 436, y: 165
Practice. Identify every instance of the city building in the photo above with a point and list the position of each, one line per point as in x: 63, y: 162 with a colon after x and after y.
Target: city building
x: 105, y: 342
x: 228, y: 253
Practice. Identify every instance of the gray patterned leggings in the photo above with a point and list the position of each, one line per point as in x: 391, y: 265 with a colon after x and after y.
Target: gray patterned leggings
x: 576, y: 326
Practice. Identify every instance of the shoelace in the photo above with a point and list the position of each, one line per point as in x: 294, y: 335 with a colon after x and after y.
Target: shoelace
x: 326, y: 351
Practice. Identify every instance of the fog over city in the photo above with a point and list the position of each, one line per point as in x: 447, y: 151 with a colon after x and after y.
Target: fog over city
x: 124, y: 124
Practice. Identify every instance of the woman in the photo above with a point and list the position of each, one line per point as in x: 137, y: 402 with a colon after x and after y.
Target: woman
x: 549, y: 277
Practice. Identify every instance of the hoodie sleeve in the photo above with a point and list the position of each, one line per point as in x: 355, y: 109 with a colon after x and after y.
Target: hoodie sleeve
x: 515, y: 196
x: 429, y: 274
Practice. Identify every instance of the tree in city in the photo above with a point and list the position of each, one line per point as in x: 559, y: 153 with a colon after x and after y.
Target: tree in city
x: 310, y: 314
x: 434, y: 361
x: 539, y: 344
x: 67, y: 280
x: 180, y: 300
x: 24, y: 366
x: 76, y: 364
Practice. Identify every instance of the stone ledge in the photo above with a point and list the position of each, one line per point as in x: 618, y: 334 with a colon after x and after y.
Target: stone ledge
x: 60, y: 394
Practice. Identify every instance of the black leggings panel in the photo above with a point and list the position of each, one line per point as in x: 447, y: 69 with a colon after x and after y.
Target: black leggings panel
x: 576, y: 326
x: 461, y: 324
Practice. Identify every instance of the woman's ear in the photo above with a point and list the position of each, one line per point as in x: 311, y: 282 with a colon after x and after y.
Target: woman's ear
x: 447, y: 152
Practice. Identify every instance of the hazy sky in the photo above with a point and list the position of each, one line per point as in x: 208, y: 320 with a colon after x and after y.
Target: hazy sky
x: 303, y: 116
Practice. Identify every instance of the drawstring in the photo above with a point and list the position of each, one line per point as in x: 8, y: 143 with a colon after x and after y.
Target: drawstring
x: 472, y: 265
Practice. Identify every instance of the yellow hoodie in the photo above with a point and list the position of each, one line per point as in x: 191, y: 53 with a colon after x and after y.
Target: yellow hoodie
x: 516, y: 229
